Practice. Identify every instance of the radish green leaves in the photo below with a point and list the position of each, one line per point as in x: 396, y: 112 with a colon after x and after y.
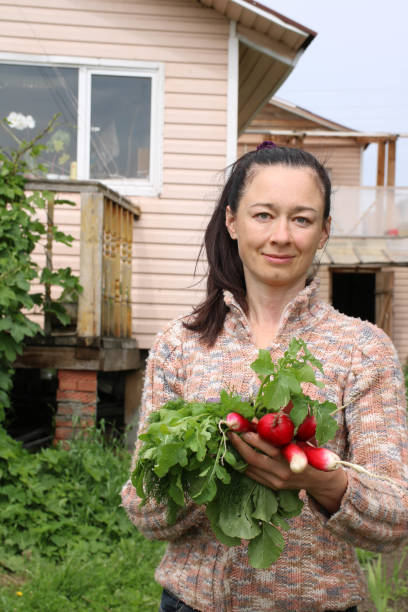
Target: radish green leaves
x: 186, y: 455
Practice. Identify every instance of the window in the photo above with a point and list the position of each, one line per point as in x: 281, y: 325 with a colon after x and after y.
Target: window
x: 110, y: 118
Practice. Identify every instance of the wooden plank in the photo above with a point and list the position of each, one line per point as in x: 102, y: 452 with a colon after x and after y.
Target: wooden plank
x: 165, y: 252
x: 187, y: 70
x: 185, y: 176
x: 67, y: 260
x: 381, y: 163
x: 215, y: 163
x: 145, y: 341
x: 116, y: 34
x: 266, y: 42
x: 152, y: 206
x: 260, y: 83
x: 163, y: 311
x: 201, y: 64
x: 158, y: 7
x: 196, y: 223
x: 169, y: 267
x: 384, y: 284
x: 195, y: 132
x: 165, y: 296
x: 98, y: 19
x: 165, y: 237
x: 187, y: 116
x: 195, y: 86
x: 115, y: 330
x: 207, y: 193
x: 190, y: 147
x: 201, y: 101
x: 391, y: 163
x: 153, y: 326
x: 89, y: 305
x: 185, y: 282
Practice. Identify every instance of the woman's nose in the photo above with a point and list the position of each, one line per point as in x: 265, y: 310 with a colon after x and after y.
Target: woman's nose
x: 280, y: 232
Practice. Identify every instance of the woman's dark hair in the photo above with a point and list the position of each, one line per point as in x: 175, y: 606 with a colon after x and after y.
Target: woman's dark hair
x: 225, y: 270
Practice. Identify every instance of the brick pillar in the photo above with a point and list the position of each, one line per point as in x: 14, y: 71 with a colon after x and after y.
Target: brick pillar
x: 76, y: 402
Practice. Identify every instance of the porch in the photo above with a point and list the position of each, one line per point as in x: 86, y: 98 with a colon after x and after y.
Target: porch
x: 99, y: 338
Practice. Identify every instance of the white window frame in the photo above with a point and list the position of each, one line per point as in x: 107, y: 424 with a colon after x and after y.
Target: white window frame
x: 88, y: 67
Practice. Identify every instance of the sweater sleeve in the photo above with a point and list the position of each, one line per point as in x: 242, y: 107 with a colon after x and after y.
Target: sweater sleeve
x: 163, y: 382
x: 374, y: 510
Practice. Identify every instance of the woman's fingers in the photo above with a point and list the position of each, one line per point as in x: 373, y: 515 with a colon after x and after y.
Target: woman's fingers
x: 269, y: 460
x: 250, y: 439
x: 268, y: 466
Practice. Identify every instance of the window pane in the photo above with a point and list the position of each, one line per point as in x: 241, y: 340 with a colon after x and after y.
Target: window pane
x: 120, y: 127
x: 40, y: 92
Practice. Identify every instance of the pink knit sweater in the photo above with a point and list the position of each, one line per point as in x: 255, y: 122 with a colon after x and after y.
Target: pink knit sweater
x: 318, y: 569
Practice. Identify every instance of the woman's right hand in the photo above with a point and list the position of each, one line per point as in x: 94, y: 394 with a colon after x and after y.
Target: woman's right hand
x: 271, y: 469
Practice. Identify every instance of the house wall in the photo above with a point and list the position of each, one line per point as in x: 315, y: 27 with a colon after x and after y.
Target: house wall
x: 344, y: 162
x: 342, y: 157
x: 399, y: 305
x: 192, y: 42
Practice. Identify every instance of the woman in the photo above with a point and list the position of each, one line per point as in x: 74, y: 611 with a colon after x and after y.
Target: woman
x: 272, y: 217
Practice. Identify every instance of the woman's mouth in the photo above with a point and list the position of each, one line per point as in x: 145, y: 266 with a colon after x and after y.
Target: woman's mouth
x: 279, y: 259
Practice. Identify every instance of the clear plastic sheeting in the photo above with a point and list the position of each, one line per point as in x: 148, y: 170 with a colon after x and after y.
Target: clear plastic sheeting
x: 370, y: 211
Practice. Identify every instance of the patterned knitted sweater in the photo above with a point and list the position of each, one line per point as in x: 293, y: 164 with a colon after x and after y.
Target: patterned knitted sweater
x: 318, y: 569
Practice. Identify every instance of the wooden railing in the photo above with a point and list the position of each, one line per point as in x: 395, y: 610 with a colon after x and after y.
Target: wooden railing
x: 104, y: 306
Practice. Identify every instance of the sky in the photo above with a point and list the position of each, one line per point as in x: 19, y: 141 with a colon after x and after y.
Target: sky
x: 355, y: 71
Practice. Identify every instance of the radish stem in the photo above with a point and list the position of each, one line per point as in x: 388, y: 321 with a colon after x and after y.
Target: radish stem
x: 359, y: 468
x: 344, y: 405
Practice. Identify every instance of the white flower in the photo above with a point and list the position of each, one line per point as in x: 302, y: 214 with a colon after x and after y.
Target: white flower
x: 18, y: 121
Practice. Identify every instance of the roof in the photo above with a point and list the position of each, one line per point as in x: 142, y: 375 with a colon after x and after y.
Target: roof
x: 303, y: 113
x: 352, y: 251
x: 270, y: 46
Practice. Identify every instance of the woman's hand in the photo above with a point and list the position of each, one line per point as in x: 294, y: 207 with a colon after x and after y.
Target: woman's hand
x: 271, y: 469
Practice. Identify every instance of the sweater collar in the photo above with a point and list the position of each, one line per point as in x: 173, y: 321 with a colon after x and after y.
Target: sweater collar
x: 299, y: 314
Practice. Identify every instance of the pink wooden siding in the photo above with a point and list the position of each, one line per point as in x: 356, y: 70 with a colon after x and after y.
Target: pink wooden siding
x: 343, y: 161
x: 192, y: 42
x: 323, y: 275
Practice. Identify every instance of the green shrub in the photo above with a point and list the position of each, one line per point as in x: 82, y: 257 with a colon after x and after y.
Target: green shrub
x: 65, y: 542
x: 60, y: 498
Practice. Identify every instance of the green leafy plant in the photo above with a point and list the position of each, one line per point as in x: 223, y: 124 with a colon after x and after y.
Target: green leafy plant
x: 60, y: 498
x: 65, y: 542
x: 186, y: 454
x: 20, y: 232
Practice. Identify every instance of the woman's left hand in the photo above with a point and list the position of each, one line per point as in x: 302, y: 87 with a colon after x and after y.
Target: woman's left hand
x: 271, y: 469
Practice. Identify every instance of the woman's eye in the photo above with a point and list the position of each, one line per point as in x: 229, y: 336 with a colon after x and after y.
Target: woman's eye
x: 302, y: 221
x: 263, y: 216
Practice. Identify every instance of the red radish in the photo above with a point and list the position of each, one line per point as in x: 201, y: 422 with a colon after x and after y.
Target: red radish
x: 320, y: 458
x: 288, y: 407
x: 238, y: 423
x: 295, y: 456
x: 307, y: 429
x: 276, y: 427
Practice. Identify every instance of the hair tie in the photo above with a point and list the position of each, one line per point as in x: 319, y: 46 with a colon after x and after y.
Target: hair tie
x: 266, y: 144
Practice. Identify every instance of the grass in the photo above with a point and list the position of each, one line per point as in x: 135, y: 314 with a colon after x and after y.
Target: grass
x: 387, y: 579
x: 66, y: 545
x: 121, y: 581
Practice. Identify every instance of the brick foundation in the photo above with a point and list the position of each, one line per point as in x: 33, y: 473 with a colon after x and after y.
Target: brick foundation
x: 76, y: 402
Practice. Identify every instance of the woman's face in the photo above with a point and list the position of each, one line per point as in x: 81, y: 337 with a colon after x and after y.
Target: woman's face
x: 279, y: 225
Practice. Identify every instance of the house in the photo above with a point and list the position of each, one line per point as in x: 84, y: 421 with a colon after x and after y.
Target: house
x: 152, y: 95
x: 364, y: 268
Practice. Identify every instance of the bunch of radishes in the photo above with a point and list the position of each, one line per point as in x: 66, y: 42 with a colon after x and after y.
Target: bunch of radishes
x: 278, y: 429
